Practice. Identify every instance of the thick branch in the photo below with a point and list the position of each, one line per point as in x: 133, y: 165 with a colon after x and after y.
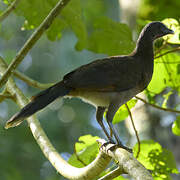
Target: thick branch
x: 65, y: 169
x: 32, y: 40
x: 9, y: 10
x: 126, y: 162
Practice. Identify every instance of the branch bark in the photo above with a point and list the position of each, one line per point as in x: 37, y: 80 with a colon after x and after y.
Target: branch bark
x: 6, y: 13
x: 126, y: 162
x: 32, y: 40
x: 86, y: 173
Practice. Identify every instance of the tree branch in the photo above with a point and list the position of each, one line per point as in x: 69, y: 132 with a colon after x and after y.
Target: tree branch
x: 156, y: 106
x: 113, y: 174
x: 171, y: 51
x: 4, y: 96
x: 9, y: 10
x: 32, y: 40
x: 126, y: 162
x: 65, y: 169
x: 30, y: 81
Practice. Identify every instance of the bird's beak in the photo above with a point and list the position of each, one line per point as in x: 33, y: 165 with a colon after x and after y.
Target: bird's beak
x: 169, y: 31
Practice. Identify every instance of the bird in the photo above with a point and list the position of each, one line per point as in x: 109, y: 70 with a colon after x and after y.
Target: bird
x: 105, y: 83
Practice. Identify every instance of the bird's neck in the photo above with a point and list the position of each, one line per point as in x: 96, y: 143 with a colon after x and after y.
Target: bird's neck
x: 144, y: 46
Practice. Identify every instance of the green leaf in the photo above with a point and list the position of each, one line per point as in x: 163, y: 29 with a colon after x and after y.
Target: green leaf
x: 86, y: 149
x: 93, y: 30
x: 34, y: 11
x: 72, y: 14
x: 85, y: 141
x: 174, y: 25
x: 165, y: 73
x: 176, y: 126
x: 122, y: 112
x: 157, y: 159
x: 110, y: 37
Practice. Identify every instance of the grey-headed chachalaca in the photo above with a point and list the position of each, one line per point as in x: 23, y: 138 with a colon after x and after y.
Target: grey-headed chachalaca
x: 105, y: 83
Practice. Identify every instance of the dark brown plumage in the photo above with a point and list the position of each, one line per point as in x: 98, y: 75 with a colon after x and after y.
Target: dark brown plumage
x: 106, y: 83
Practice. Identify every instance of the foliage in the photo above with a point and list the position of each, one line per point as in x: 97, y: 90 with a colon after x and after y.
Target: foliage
x: 168, y: 66
x: 98, y: 33
x: 122, y: 112
x: 174, y: 25
x: 158, y: 10
x: 93, y: 33
x: 86, y: 150
x: 176, y: 126
x: 157, y: 159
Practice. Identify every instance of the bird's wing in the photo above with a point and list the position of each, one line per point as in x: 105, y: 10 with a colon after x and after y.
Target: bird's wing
x: 106, y: 75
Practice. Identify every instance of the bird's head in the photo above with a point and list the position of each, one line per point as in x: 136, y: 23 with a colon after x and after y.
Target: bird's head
x: 156, y: 30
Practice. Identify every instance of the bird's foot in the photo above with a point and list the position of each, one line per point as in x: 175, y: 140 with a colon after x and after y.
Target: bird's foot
x: 114, y: 145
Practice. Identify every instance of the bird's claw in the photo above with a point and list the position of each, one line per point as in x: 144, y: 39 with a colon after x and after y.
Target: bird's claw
x: 113, y: 146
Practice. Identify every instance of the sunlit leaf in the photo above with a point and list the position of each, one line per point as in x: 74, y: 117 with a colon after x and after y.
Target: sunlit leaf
x: 165, y: 73
x: 176, y: 126
x: 175, y: 26
x: 157, y: 159
x: 86, y: 150
x: 166, y: 97
x: 85, y: 141
x: 122, y: 112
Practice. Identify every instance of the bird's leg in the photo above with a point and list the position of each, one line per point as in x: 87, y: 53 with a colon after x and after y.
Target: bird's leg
x: 113, y: 107
x: 99, y: 117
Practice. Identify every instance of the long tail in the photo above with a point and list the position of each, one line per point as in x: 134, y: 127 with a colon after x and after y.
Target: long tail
x: 38, y: 102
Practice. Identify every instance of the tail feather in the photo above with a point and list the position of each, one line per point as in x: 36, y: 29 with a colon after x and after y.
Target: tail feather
x: 38, y: 102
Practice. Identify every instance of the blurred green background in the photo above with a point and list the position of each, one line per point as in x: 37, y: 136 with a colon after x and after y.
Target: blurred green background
x: 55, y: 55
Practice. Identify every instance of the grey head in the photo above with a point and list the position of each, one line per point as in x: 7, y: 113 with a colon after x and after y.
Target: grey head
x: 149, y: 33
x: 155, y: 30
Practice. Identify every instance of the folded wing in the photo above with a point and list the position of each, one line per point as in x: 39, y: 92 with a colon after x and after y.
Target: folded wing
x: 115, y: 74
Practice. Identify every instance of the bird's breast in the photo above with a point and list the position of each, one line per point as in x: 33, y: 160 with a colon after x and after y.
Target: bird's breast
x: 103, y: 99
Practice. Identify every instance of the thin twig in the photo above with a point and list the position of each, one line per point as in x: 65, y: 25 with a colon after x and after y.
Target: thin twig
x: 33, y: 39
x: 4, y: 96
x: 30, y: 81
x: 156, y: 106
x: 112, y: 174
x: 175, y: 62
x: 9, y: 10
x: 162, y: 47
x: 167, y: 52
x: 137, y: 136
